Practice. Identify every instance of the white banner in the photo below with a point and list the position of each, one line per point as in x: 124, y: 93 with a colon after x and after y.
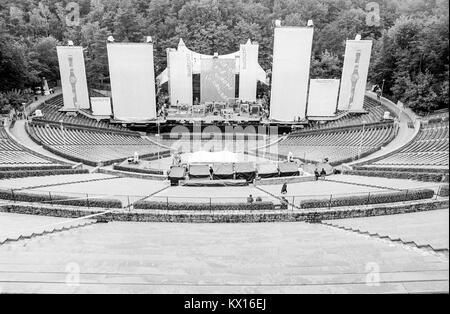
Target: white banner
x: 101, y: 106
x: 180, y: 77
x: 73, y: 77
x: 354, y: 74
x: 323, y: 95
x: 132, y: 78
x: 248, y: 70
x: 290, y: 73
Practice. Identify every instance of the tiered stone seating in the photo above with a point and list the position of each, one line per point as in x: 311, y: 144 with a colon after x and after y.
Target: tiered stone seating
x: 50, y: 110
x: 424, y: 228
x: 336, y: 145
x: 375, y: 113
x: 125, y: 257
x: 91, y: 146
x: 429, y: 148
x: 12, y: 154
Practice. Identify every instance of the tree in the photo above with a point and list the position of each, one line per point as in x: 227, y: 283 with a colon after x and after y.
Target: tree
x: 326, y: 66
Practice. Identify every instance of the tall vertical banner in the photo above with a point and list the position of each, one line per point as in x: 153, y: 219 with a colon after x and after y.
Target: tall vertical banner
x: 132, y: 78
x: 354, y: 74
x: 248, y: 70
x: 180, y: 77
x: 73, y: 77
x: 290, y: 72
x: 322, y: 97
x: 217, y: 79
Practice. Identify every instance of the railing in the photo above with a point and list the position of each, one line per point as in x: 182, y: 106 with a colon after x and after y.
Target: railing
x: 186, y: 203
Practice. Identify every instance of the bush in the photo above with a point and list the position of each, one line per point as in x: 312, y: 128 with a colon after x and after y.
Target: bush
x: 138, y: 170
x: 20, y: 196
x: 204, y: 206
x: 403, y: 169
x: 419, y: 176
x: 35, y: 168
x: 443, y: 191
x: 38, y: 173
x: 370, y: 198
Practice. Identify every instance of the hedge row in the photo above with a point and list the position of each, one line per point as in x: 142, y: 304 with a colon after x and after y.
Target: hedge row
x: 39, y: 173
x: 20, y: 196
x: 138, y: 170
x: 443, y: 191
x: 397, y: 169
x: 40, y: 167
x: 419, y: 176
x: 370, y: 198
x: 204, y: 206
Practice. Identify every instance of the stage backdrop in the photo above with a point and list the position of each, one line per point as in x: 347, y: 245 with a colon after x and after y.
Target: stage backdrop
x: 180, y: 76
x: 354, y: 74
x: 132, y: 81
x: 101, y: 106
x: 217, y: 79
x: 322, y: 100
x: 73, y: 77
x: 290, y: 73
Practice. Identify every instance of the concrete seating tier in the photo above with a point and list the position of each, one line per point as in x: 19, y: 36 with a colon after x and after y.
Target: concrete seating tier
x: 216, y: 258
x: 50, y: 110
x: 91, y: 146
x: 337, y: 146
x: 375, y: 113
x: 13, y: 154
x: 429, y: 148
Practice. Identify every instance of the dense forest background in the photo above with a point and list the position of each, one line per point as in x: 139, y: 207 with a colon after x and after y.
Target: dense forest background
x: 410, y: 53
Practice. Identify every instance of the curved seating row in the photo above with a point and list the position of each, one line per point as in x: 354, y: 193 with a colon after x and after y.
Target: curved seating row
x: 50, y: 110
x: 429, y: 148
x: 375, y: 112
x: 91, y: 146
x: 336, y: 145
x: 12, y: 154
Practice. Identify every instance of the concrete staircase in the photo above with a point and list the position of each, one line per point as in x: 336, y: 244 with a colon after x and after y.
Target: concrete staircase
x: 217, y: 258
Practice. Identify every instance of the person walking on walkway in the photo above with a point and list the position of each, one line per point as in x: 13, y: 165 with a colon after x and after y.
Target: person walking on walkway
x: 284, y: 188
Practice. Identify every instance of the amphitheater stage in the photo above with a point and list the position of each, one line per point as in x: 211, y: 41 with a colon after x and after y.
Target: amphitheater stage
x: 199, y: 157
x: 165, y: 126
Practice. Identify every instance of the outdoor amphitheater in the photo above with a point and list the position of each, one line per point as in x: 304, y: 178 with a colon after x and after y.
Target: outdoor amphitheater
x: 340, y: 190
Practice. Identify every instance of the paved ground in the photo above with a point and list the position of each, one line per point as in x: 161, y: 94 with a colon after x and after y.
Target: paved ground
x: 217, y: 258
x: 20, y: 183
x: 318, y: 190
x: 404, y: 135
x: 230, y: 194
x: 13, y: 225
x: 137, y: 188
x: 120, y: 188
x: 423, y: 228
x: 387, y: 182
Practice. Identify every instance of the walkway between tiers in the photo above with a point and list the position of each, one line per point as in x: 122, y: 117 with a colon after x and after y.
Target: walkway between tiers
x: 404, y: 135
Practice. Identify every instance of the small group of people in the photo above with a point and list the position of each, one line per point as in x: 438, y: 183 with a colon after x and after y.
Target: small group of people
x: 320, y: 174
x: 250, y: 199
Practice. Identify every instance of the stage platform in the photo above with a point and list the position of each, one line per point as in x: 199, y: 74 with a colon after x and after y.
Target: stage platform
x: 166, y: 125
x: 223, y: 183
